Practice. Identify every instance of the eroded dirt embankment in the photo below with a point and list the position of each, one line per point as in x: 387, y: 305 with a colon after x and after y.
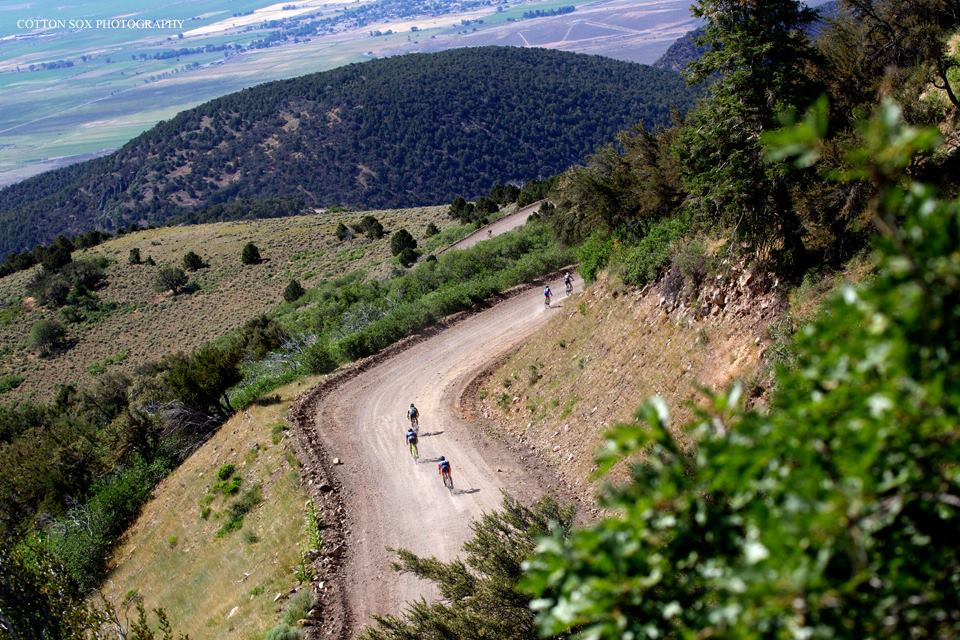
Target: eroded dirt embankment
x: 556, y: 396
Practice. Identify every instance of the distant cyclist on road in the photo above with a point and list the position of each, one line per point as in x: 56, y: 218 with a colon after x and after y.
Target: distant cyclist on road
x: 413, y: 415
x: 546, y: 295
x: 412, y: 443
x: 443, y: 467
x: 568, y: 281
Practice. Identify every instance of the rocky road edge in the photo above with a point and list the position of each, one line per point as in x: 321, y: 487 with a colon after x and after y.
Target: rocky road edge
x: 330, y: 616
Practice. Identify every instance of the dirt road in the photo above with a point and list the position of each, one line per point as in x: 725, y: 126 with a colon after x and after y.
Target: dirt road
x: 507, y: 223
x: 391, y: 500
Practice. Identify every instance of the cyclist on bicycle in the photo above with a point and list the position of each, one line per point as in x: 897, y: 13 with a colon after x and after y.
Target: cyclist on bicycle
x: 443, y: 467
x: 568, y: 281
x: 412, y: 443
x: 546, y: 295
x: 413, y: 415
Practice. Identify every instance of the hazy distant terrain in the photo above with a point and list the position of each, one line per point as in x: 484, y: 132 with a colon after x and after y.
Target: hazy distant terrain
x: 90, y: 91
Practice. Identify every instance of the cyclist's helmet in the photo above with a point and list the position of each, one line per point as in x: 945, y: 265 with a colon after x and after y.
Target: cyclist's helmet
x: 442, y: 458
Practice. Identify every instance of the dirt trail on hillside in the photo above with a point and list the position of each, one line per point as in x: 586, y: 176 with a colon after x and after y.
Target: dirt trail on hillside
x: 503, y: 225
x: 391, y: 501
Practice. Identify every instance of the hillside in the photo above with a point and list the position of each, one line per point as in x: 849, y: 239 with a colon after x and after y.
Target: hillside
x: 140, y: 325
x: 398, y: 132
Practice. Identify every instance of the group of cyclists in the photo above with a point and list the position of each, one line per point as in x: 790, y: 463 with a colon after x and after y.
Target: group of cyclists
x: 567, y: 283
x: 412, y: 436
x: 413, y: 414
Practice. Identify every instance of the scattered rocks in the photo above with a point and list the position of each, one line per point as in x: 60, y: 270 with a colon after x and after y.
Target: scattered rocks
x: 337, y: 461
x: 233, y: 612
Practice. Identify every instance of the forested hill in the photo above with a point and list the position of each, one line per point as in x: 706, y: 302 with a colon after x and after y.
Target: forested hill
x: 394, y: 132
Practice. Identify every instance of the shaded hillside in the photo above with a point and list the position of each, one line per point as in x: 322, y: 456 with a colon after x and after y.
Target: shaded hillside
x: 685, y: 50
x: 402, y: 131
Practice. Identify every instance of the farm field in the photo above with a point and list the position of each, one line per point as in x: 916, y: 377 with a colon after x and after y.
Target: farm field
x: 623, y: 29
x: 144, y: 326
x: 117, y: 86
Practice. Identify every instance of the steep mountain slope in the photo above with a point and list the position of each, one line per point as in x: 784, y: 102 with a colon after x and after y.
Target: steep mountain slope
x: 404, y: 131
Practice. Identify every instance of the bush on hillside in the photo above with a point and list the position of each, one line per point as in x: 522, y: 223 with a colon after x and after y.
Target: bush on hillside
x: 134, y: 256
x: 192, y: 261
x: 293, y: 291
x: 46, y: 337
x: 343, y: 232
x: 250, y: 254
x: 408, y: 257
x: 170, y: 278
x: 370, y: 227
x: 400, y: 241
x: 431, y: 230
x: 593, y: 255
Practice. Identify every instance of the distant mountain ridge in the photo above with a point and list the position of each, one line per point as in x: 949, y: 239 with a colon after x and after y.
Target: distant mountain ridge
x: 395, y: 132
x: 685, y: 49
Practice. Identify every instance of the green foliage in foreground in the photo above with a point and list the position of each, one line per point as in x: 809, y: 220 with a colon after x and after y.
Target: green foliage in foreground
x: 833, y: 515
x: 478, y: 596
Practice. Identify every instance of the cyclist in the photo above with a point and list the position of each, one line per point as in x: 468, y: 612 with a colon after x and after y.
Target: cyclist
x: 412, y: 443
x: 546, y: 295
x: 568, y: 281
x: 443, y: 467
x: 413, y: 414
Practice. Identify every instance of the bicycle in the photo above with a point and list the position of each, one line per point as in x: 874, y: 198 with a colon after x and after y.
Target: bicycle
x: 411, y: 437
x: 445, y: 475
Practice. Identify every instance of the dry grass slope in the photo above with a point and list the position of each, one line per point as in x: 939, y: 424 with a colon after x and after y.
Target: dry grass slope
x: 146, y: 326
x: 221, y: 587
x: 610, y: 349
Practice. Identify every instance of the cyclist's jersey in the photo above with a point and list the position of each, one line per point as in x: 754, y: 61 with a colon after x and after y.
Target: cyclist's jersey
x: 412, y: 412
x: 411, y: 437
x: 444, y: 466
x: 568, y: 278
x: 546, y: 291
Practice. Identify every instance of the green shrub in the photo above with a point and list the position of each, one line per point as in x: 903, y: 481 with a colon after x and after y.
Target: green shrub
x: 236, y: 511
x: 593, y: 255
x: 642, y: 263
x: 400, y: 241
x: 408, y: 256
x: 250, y: 254
x: 192, y: 261
x: 293, y: 291
x: 170, y: 278
x: 82, y: 540
x: 298, y: 607
x: 134, y: 257
x: 431, y: 230
x: 10, y: 382
x: 284, y: 632
x: 225, y: 471
x: 46, y: 337
x: 318, y: 358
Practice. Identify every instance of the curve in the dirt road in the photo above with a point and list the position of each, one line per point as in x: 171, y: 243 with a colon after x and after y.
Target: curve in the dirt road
x: 503, y: 225
x: 392, y: 501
